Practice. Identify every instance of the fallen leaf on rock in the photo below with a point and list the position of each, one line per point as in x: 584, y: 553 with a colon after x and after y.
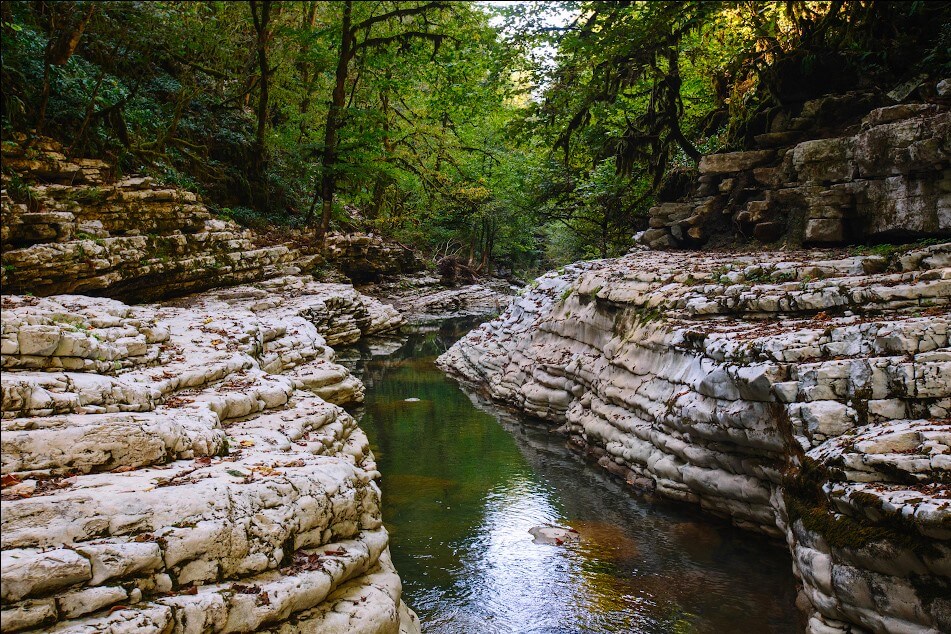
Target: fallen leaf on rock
x: 116, y: 608
x: 306, y: 561
x: 9, y: 479
x: 246, y: 443
x: 203, y: 461
x: 178, y: 401
x: 339, y: 551
x: 242, y: 589
x: 236, y: 473
x: 123, y: 469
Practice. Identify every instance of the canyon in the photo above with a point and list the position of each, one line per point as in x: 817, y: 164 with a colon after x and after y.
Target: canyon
x: 177, y: 455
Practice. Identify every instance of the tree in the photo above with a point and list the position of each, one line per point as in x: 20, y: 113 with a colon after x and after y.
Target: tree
x: 355, y: 38
x: 261, y: 16
x: 65, y: 30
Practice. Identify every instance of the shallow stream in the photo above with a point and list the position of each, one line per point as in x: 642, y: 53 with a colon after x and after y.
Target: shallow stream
x: 464, y: 482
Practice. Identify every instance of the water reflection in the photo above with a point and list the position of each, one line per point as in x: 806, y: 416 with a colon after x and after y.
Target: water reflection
x: 463, y: 483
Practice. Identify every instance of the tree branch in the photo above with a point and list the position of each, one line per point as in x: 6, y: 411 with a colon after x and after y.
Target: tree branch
x: 436, y: 38
x: 398, y: 13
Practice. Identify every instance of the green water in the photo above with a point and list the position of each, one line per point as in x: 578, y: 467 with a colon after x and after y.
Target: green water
x: 463, y: 484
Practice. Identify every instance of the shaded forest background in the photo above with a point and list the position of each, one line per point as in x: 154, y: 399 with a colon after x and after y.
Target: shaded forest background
x: 518, y: 137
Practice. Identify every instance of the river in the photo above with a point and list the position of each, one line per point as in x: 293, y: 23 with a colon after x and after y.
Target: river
x: 463, y: 482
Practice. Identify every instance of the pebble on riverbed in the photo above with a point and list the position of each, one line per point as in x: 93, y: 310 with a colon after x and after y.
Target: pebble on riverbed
x: 554, y: 535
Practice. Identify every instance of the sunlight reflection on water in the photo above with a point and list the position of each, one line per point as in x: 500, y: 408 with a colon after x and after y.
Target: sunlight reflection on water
x: 462, y: 485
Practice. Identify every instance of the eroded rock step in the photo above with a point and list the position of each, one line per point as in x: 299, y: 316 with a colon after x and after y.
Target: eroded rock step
x: 801, y: 394
x: 188, y: 467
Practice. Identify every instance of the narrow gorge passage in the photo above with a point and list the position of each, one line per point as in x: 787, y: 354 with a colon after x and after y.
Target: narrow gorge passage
x: 463, y: 483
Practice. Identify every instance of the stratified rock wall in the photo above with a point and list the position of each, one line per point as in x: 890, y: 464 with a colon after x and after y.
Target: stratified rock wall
x: 801, y: 394
x: 74, y: 229
x: 187, y: 467
x: 424, y: 297
x: 879, y: 178
x: 365, y: 257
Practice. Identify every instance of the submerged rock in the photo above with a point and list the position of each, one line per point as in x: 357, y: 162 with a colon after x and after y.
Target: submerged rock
x: 805, y: 395
x: 187, y: 466
x: 554, y: 535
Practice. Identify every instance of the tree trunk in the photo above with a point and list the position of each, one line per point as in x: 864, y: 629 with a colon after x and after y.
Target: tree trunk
x: 61, y: 46
x: 485, y: 266
x: 308, y: 22
x: 261, y: 15
x: 338, y: 102
x: 379, y: 186
x: 328, y: 177
x: 673, y: 83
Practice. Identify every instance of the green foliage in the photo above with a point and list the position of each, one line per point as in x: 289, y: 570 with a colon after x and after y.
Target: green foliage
x: 645, y: 88
x: 513, y: 146
x: 21, y: 192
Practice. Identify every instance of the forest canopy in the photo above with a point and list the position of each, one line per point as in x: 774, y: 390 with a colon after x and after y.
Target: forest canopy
x: 519, y: 135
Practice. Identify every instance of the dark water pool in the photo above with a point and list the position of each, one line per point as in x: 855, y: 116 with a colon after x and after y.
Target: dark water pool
x: 463, y: 484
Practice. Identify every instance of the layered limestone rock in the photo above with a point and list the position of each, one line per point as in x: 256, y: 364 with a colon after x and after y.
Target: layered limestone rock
x: 365, y: 257
x: 69, y: 228
x: 424, y: 298
x: 828, y: 176
x: 188, y: 467
x: 801, y: 394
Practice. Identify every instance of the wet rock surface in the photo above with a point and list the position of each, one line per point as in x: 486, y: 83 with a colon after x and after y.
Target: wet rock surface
x: 554, y: 535
x: 188, y: 466
x: 803, y: 394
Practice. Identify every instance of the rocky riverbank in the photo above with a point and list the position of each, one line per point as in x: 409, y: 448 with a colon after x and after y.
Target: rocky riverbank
x: 188, y: 466
x: 426, y: 298
x: 800, y: 394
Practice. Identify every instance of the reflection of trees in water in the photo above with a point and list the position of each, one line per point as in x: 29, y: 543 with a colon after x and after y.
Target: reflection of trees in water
x: 670, y: 539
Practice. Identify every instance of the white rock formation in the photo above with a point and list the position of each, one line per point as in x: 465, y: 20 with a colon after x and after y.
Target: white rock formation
x: 801, y: 394
x: 424, y: 298
x: 187, y: 467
